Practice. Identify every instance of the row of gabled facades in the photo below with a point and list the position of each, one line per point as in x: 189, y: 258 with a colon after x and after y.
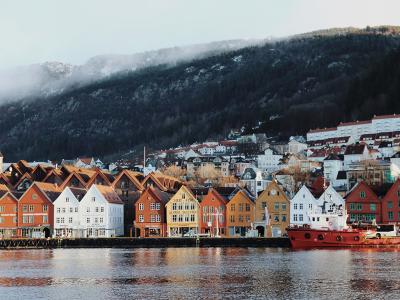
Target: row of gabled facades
x: 71, y: 202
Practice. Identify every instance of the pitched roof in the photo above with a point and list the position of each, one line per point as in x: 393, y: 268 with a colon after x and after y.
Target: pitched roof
x: 78, y: 192
x: 109, y: 194
x: 355, y: 149
x: 3, y: 189
x: 160, y: 195
x: 132, y: 176
x: 52, y: 191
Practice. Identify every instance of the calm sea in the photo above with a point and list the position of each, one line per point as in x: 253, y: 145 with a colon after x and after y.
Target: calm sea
x: 199, y: 273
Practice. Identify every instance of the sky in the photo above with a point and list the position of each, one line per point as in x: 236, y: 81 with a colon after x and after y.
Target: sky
x: 72, y: 31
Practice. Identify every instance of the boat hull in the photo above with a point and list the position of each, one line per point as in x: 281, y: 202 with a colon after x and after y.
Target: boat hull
x: 312, y: 238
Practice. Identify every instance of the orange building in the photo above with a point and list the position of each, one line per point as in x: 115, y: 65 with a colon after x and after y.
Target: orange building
x: 35, y: 210
x: 240, y: 213
x: 150, y: 213
x: 8, y: 213
x: 213, y: 214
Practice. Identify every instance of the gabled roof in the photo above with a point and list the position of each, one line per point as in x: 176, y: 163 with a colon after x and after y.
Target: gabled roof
x: 3, y: 189
x: 77, y: 176
x: 132, y: 176
x: 109, y: 194
x: 217, y: 195
x: 55, y: 172
x: 78, y: 192
x: 355, y: 149
x: 4, y: 195
x: 50, y: 190
x: 26, y: 176
x: 95, y: 175
x: 163, y: 197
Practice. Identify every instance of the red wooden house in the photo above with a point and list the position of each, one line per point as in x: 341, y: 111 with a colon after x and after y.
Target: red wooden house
x: 391, y: 204
x: 363, y: 204
x: 150, y: 216
x: 8, y: 213
x: 35, y: 210
x: 213, y: 213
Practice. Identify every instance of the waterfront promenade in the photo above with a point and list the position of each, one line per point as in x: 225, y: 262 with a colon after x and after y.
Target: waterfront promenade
x: 142, y: 242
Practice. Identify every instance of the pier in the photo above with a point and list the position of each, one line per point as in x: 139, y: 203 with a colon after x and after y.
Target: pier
x: 141, y: 243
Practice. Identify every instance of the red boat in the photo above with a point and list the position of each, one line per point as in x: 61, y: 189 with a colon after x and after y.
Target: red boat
x: 331, y: 230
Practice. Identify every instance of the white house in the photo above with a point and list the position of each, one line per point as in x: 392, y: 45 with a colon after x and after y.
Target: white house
x: 333, y: 163
x: 66, y: 213
x: 101, y: 212
x: 302, y: 204
x: 297, y: 145
x: 330, y: 199
x: 354, y: 154
x: 269, y: 161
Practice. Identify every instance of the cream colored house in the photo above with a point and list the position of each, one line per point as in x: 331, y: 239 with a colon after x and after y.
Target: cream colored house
x: 182, y: 214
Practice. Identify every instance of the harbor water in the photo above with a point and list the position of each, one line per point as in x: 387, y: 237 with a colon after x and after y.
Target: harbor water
x: 199, y: 273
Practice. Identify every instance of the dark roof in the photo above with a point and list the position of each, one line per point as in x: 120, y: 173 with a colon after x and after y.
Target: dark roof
x: 78, y: 192
x: 163, y: 196
x: 224, y: 191
x: 396, y: 155
x: 355, y: 149
x: 333, y: 156
x: 341, y: 175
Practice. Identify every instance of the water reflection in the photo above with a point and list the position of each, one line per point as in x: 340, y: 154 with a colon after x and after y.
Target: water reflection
x: 199, y: 273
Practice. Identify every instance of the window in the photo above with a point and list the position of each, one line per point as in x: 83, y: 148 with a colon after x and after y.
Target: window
x: 70, y: 220
x: 247, y: 218
x: 152, y: 206
x: 173, y: 218
x: 310, y: 205
x: 276, y: 218
x: 88, y: 209
x: 96, y: 209
x: 276, y: 206
x: 247, y: 207
x: 263, y: 205
x: 232, y: 207
x: 301, y: 205
x: 359, y: 206
x: 34, y: 196
x: 186, y: 218
x: 88, y: 220
x: 76, y: 209
x: 141, y: 206
x: 180, y: 218
x: 62, y: 220
x: 295, y: 217
x: 45, y: 208
x: 390, y: 204
x: 283, y: 218
x: 295, y: 206
x: 25, y: 208
x: 372, y: 207
x: 352, y: 206
x: 101, y: 220
x: 31, y: 208
x: 301, y: 217
x: 283, y: 206
x: 93, y: 199
x: 183, y: 196
x: 45, y: 219
x: 240, y: 206
x: 66, y: 199
x: 158, y: 218
x: 63, y: 210
x: 390, y: 215
x: 1, y: 208
x: 102, y: 209
x: 1, y: 220
x: 240, y: 218
x: 58, y: 209
x: 96, y: 220
x: 158, y: 206
x: 232, y: 218
x: 58, y: 220
x: 173, y: 206
x: 71, y: 209
x: 192, y: 218
x: 152, y: 218
x: 362, y: 194
x: 141, y: 218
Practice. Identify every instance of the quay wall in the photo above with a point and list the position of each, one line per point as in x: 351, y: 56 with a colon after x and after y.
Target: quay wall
x: 142, y: 243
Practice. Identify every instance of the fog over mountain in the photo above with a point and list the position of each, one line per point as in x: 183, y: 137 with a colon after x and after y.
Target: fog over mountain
x: 52, y: 78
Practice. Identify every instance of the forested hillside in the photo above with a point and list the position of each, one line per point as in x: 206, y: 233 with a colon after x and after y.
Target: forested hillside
x: 289, y: 86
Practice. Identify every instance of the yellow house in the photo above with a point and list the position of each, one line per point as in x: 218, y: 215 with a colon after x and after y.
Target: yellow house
x: 240, y: 214
x: 278, y: 208
x: 182, y: 213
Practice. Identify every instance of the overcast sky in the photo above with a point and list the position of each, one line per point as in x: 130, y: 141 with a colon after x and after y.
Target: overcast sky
x: 74, y: 30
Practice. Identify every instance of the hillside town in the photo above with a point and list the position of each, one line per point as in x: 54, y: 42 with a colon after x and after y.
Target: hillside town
x: 243, y: 186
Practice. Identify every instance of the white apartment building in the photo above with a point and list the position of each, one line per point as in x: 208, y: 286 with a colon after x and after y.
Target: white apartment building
x: 101, y: 213
x: 66, y: 213
x: 378, y: 124
x: 269, y: 161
